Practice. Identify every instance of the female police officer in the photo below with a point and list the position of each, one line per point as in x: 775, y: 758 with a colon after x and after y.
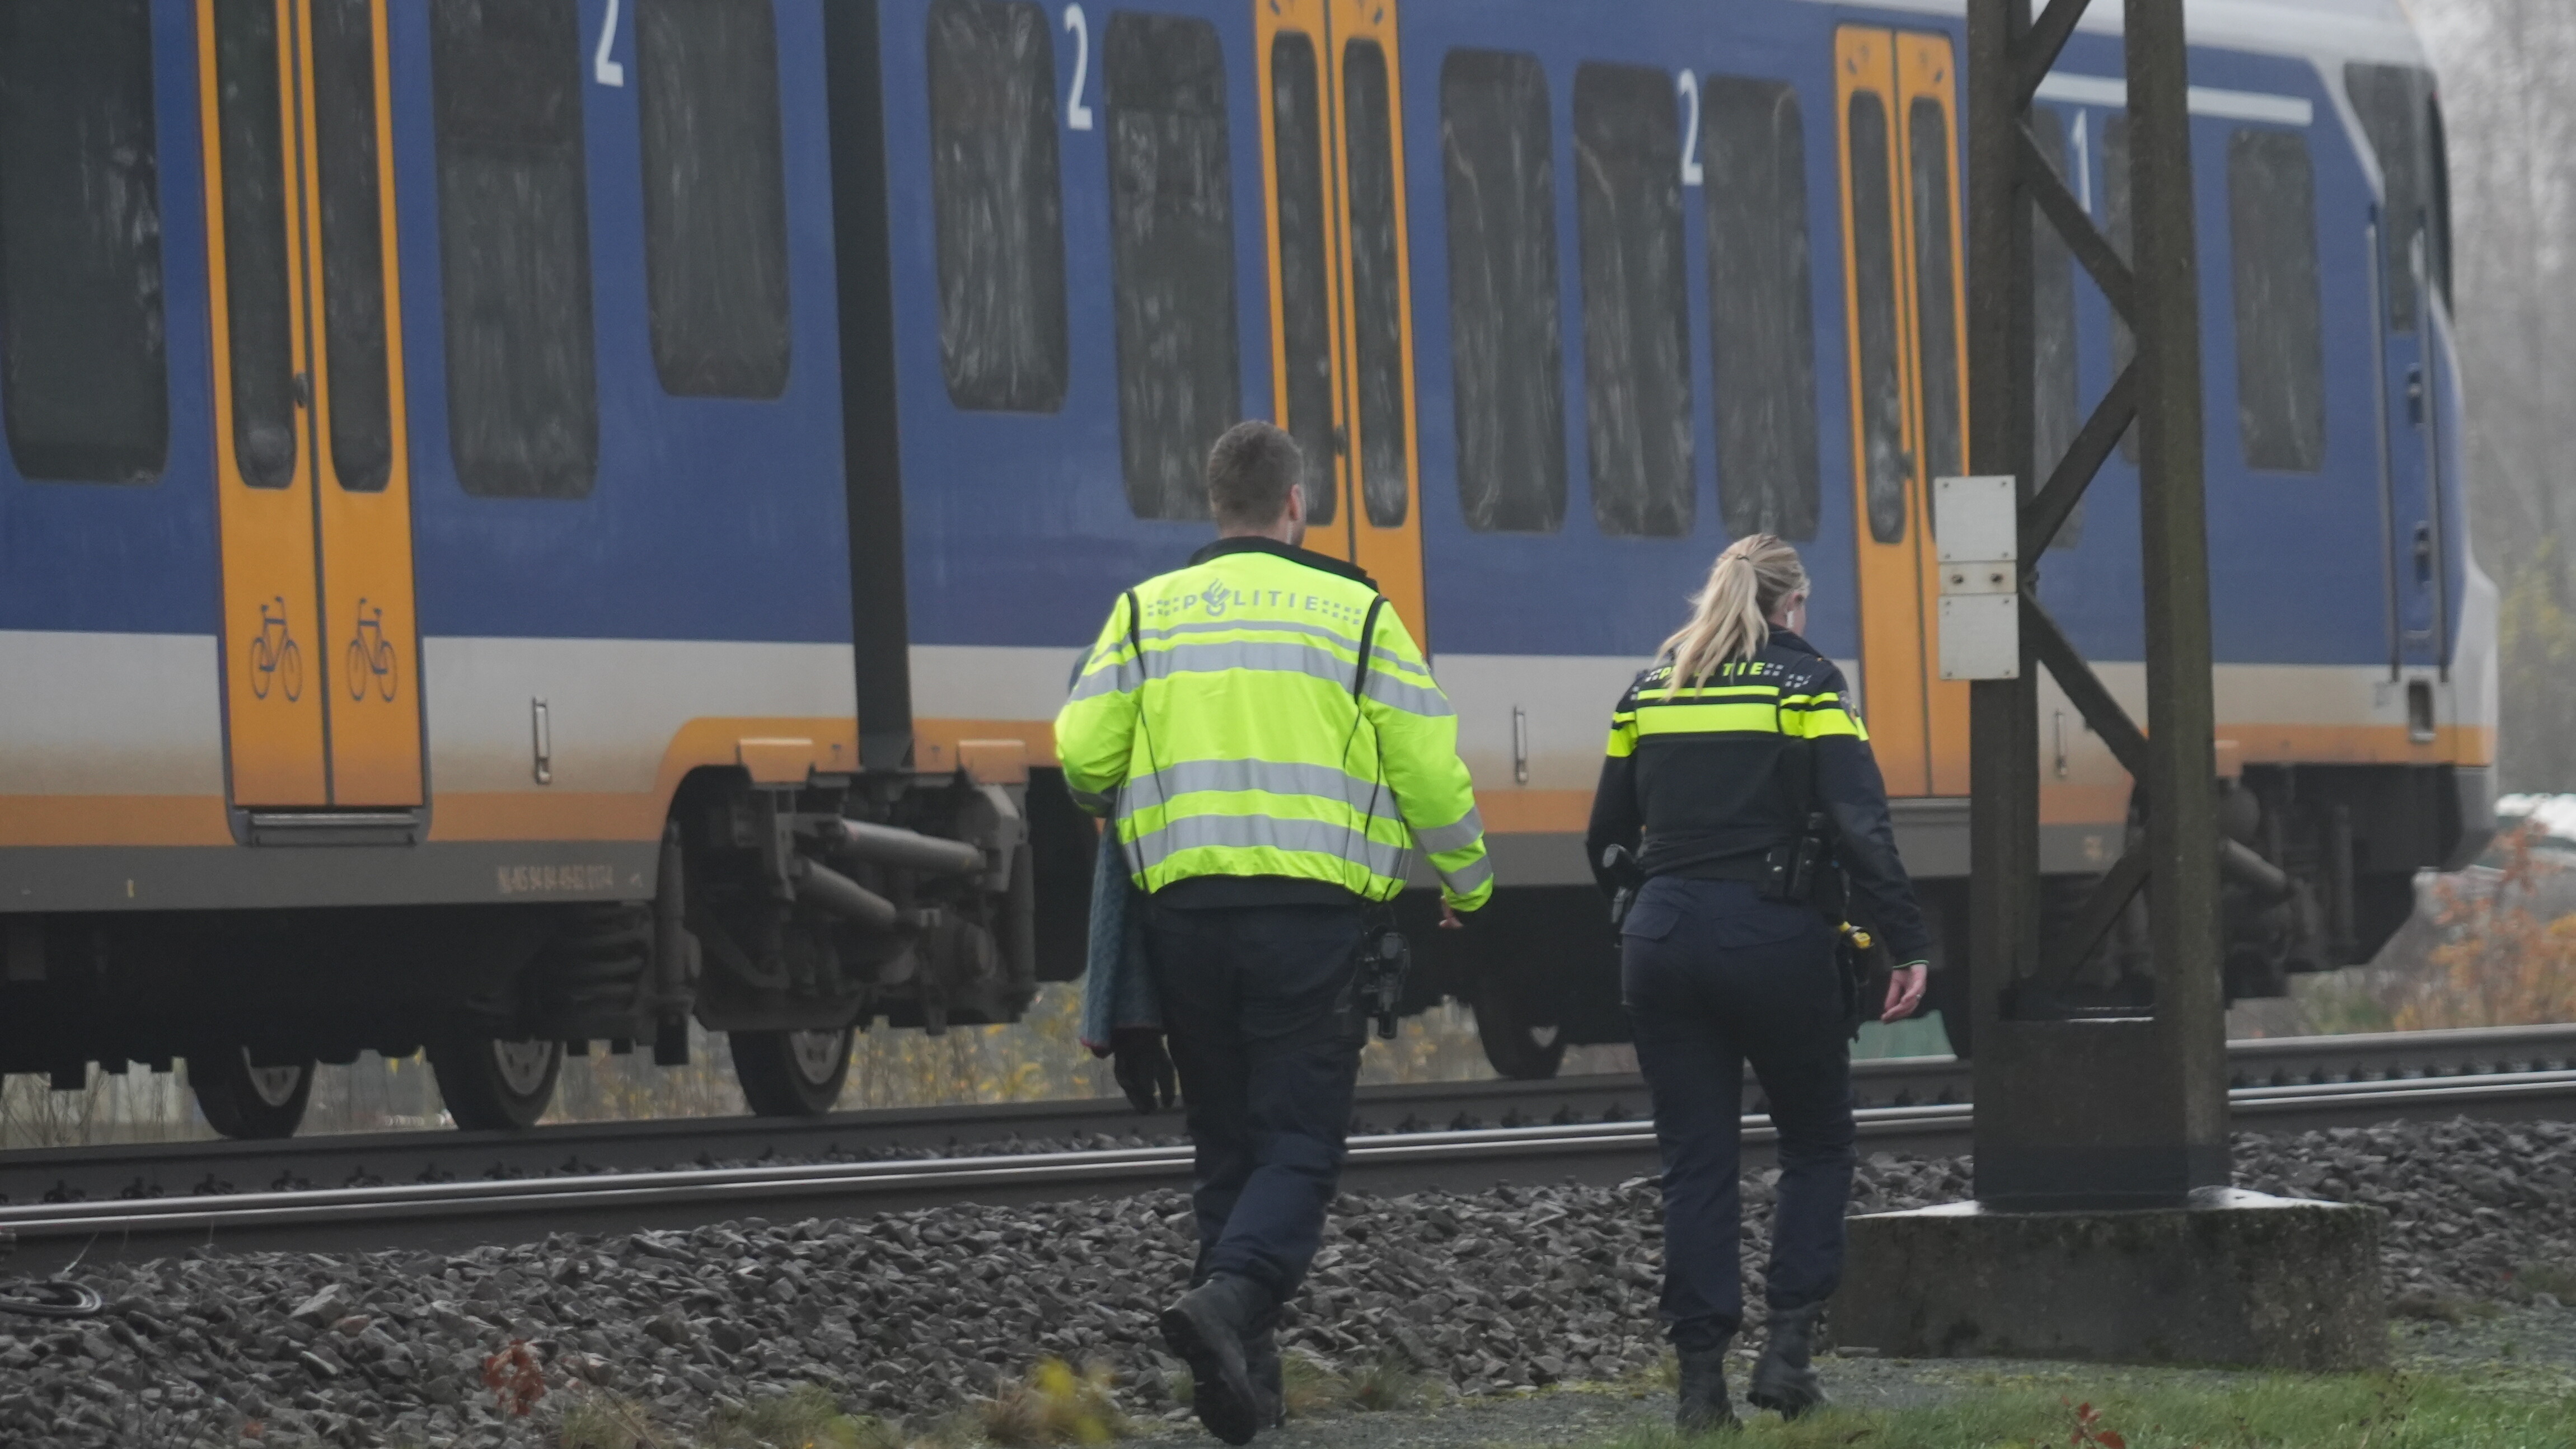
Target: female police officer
x: 1751, y: 780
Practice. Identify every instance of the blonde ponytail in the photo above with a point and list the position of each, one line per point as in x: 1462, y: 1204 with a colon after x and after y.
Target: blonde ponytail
x: 1730, y: 614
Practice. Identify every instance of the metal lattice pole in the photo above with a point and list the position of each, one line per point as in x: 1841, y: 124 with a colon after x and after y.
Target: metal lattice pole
x: 2077, y: 1110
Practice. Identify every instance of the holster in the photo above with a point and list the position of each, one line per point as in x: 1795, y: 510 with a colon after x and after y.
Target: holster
x: 1793, y: 870
x: 1855, y: 955
x: 1385, y: 960
x: 1620, y: 864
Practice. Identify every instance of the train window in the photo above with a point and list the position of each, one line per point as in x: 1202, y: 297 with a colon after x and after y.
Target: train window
x: 1884, y: 464
x: 715, y: 195
x: 1171, y: 252
x: 2115, y: 230
x: 2053, y: 417
x: 1762, y: 327
x: 1500, y: 167
x: 2393, y: 101
x: 1377, y: 299
x: 84, y: 374
x: 1636, y: 312
x: 1936, y: 298
x: 257, y: 317
x: 353, y: 245
x: 998, y: 205
x: 1305, y: 289
x: 514, y: 247
x: 2280, y: 347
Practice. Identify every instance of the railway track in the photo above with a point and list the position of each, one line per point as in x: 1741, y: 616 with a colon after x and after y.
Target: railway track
x: 2412, y: 1081
x: 150, y: 1170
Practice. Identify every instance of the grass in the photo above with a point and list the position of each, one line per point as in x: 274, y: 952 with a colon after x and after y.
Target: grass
x: 1054, y: 1405
x: 808, y: 1418
x: 605, y: 1421
x: 2437, y: 1308
x: 1389, y: 1384
x: 2136, y: 1412
x: 2558, y: 1280
x: 1310, y: 1385
x: 1314, y: 1386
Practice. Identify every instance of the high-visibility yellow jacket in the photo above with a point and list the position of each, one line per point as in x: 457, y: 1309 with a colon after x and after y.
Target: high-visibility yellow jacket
x: 1234, y: 745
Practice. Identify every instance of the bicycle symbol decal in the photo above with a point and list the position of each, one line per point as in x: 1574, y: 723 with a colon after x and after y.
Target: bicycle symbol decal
x: 370, y: 652
x: 274, y: 658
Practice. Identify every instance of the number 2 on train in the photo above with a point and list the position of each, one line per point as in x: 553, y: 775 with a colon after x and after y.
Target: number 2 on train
x: 1077, y: 116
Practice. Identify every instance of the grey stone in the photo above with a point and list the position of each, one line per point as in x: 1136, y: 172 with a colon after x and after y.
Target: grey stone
x: 2235, y: 1278
x: 916, y: 1312
x: 323, y: 1307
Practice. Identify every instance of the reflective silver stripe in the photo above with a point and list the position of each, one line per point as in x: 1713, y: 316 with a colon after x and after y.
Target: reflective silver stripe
x: 1386, y: 657
x: 1253, y: 832
x: 1303, y: 659
x: 1091, y: 801
x: 1427, y: 701
x: 1276, y: 778
x: 1451, y: 837
x: 1104, y: 679
x: 1465, y: 879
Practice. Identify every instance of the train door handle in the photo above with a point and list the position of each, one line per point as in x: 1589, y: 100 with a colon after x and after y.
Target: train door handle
x: 2415, y: 396
x: 2424, y: 553
x: 1341, y: 441
x: 301, y: 387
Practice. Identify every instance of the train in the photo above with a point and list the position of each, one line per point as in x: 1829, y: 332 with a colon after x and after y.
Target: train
x: 526, y: 526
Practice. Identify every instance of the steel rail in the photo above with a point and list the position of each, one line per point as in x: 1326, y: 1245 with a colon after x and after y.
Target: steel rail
x: 132, y: 1171
x: 449, y: 1216
x: 148, y: 1170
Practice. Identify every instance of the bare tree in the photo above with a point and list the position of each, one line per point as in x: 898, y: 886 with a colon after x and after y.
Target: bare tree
x: 2508, y: 92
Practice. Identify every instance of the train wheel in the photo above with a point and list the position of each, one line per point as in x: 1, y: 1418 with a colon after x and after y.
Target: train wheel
x: 243, y: 1099
x: 495, y: 1085
x: 1518, y: 1047
x: 791, y: 1073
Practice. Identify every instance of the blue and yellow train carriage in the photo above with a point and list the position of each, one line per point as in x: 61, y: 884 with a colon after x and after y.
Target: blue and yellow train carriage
x: 528, y: 523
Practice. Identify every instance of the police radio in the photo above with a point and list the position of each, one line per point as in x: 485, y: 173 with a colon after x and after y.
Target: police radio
x: 1386, y: 958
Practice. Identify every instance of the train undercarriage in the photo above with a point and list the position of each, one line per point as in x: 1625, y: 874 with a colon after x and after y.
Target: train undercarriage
x: 2318, y: 871
x: 786, y: 918
x: 792, y: 918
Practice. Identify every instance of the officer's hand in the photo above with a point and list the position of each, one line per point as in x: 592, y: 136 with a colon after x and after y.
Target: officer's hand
x: 1904, y: 991
x: 1449, y: 918
x: 1144, y: 1069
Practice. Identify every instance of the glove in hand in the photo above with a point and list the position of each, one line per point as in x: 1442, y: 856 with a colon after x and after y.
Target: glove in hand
x: 1144, y: 1069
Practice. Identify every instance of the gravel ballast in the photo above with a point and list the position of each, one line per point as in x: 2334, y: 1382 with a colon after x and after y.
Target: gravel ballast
x: 914, y: 1315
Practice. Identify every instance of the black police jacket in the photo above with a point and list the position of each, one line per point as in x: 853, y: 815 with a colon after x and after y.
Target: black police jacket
x: 1707, y: 777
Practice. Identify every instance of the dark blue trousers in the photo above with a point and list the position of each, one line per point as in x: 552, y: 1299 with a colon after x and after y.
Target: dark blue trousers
x: 1713, y: 977
x: 1265, y: 1032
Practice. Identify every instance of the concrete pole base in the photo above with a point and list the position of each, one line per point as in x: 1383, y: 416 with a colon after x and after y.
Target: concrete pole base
x: 2231, y: 1278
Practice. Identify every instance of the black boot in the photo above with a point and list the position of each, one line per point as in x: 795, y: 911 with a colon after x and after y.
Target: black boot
x: 1704, y: 1406
x: 1261, y: 1366
x: 1785, y: 1378
x: 1206, y: 1329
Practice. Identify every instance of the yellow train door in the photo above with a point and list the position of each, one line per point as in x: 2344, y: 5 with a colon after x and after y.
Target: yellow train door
x: 1903, y: 300
x: 320, y: 649
x: 1341, y: 304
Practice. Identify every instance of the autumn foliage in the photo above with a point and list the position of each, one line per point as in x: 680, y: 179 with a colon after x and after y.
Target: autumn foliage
x: 515, y: 1377
x: 2506, y: 957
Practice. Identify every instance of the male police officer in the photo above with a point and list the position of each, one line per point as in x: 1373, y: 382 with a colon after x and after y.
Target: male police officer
x: 1272, y: 737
